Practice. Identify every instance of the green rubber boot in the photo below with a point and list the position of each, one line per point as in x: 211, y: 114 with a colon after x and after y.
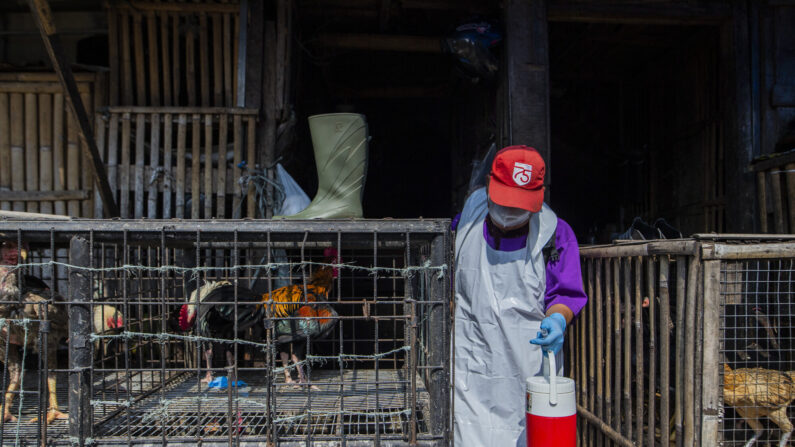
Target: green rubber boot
x: 340, y: 143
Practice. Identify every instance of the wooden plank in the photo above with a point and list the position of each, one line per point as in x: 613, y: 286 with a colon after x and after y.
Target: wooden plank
x: 5, y: 148
x: 165, y: 59
x: 663, y: 13
x: 27, y: 78
x: 44, y: 196
x: 223, y: 123
x: 282, y: 37
x: 72, y: 163
x: 126, y: 59
x: 238, y: 76
x: 113, y: 153
x: 182, y: 136
x: 17, y: 147
x: 218, y: 72
x: 86, y: 173
x: 255, y: 42
x: 138, y: 53
x: 54, y: 46
x: 177, y: 6
x: 711, y: 388
x: 195, y: 182
x: 45, y: 148
x: 527, y: 77
x: 227, y: 62
x: 271, y: 107
x: 168, y: 188
x: 31, y: 148
x: 58, y: 138
x: 190, y: 66
x: 181, y: 110
x: 154, y: 68
x: 237, y: 147
x: 761, y: 191
x: 380, y: 42
x: 154, y: 162
x: 204, y: 60
x: 251, y: 160
x: 113, y: 55
x: 140, y: 154
x: 100, y: 129
x: 208, y: 165
x: 124, y: 170
x: 790, y: 173
x: 39, y: 87
x: 778, y: 203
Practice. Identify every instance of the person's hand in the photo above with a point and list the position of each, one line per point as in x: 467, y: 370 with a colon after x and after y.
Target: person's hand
x: 553, y: 329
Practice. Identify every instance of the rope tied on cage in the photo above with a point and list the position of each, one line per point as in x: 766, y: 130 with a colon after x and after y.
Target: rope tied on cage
x: 321, y: 359
x: 74, y: 440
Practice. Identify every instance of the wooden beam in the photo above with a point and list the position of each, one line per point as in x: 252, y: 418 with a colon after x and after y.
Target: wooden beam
x: 255, y: 53
x: 43, y: 196
x: 527, y: 77
x: 52, y: 42
x: 381, y: 42
x: 773, y: 161
x: 662, y: 13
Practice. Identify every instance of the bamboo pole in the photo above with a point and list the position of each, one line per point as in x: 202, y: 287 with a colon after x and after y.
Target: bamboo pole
x: 604, y: 428
x: 86, y: 172
x: 762, y: 195
x: 45, y: 148
x: 190, y: 66
x: 599, y: 342
x: 223, y: 123
x: 124, y: 173
x: 72, y: 163
x: 204, y: 63
x: 652, y: 347
x: 218, y: 81
x: 627, y: 296
x: 17, y: 147
x: 778, y: 202
x: 790, y: 171
x: 31, y: 149
x: 665, y: 352
x: 113, y: 153
x: 182, y: 136
x: 251, y: 158
x: 608, y: 358
x: 638, y: 350
x: 208, y: 165
x: 126, y: 59
x: 711, y: 376
x: 138, y: 53
x: 165, y: 60
x: 581, y: 370
x: 681, y: 272
x: 175, y: 54
x: 5, y: 148
x: 187, y: 110
x: 617, y: 335
x: 113, y: 55
x: 154, y: 68
x: 99, y: 128
x: 59, y: 182
x: 227, y: 62
x: 196, y: 167
x: 237, y: 147
x: 591, y: 386
x: 689, y: 363
x: 154, y: 163
x: 167, y: 186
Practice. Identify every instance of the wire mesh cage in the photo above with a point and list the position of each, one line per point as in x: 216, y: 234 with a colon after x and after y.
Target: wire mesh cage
x: 233, y: 332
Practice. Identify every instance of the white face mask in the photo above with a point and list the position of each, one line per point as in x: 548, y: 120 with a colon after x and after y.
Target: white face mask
x: 507, y: 217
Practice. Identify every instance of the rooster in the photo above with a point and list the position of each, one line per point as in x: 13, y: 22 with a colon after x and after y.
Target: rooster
x: 218, y: 320
x: 297, y: 319
x: 29, y: 302
x: 756, y: 393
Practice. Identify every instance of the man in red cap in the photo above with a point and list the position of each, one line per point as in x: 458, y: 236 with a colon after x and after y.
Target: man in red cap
x: 518, y: 285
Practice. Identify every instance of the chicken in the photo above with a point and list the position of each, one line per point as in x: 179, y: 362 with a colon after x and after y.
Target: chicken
x: 296, y: 320
x: 756, y: 393
x: 30, y: 302
x: 218, y: 320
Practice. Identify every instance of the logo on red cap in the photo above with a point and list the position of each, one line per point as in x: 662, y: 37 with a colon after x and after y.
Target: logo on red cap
x: 522, y: 172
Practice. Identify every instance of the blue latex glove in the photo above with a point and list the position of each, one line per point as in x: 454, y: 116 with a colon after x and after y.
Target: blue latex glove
x: 553, y: 329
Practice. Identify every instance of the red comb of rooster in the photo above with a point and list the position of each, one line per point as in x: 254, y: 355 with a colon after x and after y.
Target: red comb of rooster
x: 330, y: 252
x: 184, y: 324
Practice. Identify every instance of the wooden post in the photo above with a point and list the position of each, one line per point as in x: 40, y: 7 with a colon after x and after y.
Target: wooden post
x: 711, y: 389
x: 527, y: 77
x: 5, y: 148
x: 45, y: 148
x: 79, y: 344
x: 31, y: 149
x: 43, y: 17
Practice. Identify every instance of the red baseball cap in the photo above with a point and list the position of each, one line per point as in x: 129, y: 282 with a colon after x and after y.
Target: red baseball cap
x: 517, y: 178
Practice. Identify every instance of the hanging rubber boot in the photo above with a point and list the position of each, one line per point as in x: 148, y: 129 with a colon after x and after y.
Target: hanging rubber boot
x: 340, y: 143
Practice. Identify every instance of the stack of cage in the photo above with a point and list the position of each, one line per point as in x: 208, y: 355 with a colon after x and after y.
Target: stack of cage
x: 380, y: 374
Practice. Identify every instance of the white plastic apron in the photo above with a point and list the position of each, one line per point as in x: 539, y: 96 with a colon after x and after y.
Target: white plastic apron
x: 499, y: 308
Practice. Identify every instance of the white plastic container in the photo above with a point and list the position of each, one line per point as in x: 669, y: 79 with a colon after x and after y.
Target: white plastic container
x: 551, y: 409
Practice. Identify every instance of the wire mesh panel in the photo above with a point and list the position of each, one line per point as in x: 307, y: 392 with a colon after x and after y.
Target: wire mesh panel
x: 756, y: 343
x: 244, y: 331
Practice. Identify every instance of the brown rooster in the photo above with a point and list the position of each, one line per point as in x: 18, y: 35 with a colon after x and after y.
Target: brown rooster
x: 757, y: 393
x: 29, y: 302
x: 304, y: 322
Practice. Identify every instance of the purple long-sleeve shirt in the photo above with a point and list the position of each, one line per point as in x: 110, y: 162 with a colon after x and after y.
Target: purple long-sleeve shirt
x: 564, y: 277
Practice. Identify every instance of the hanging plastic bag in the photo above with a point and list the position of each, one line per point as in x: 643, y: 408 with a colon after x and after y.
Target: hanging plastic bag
x: 295, y: 199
